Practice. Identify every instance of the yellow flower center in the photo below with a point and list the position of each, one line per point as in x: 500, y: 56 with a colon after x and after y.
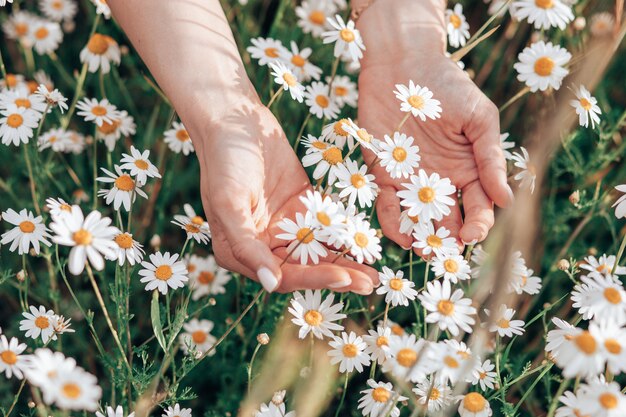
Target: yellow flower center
x: 323, y: 218
x: 350, y: 350
x: 450, y: 265
x: 381, y: 395
x: 98, y: 110
x: 108, y: 128
x: 396, y: 284
x: 317, y: 17
x: 125, y: 183
x: 313, y: 318
x: 364, y: 136
x: 341, y: 91
x: 338, y: 128
x: 22, y: 102
x: 608, y: 401
x: 182, y: 135
x: 27, y: 226
x: 199, y: 337
x: 416, y: 102
x: 474, y: 402
x: 206, y: 277
x: 434, y: 241
x: 602, y: 268
x: 613, y: 346
x: 544, y: 4
x: 332, y: 155
x: 15, y: 120
x: 434, y: 394
x: 445, y: 307
x: 397, y: 330
x: 124, y: 240
x: 141, y: 164
x: 163, y: 272
x: 8, y: 357
x: 426, y: 195
x: 41, y: 33
x: 322, y: 101
x: 71, y: 390
x: 347, y: 35
x: 406, y: 357
x: 357, y: 180
x: 290, y: 80
x: 304, y: 235
x: 455, y: 20
x: 361, y: 239
x: 612, y: 295
x: 82, y: 237
x: 450, y: 362
x: 271, y: 52
x: 544, y: 66
x: 191, y: 228
x: 197, y: 220
x: 21, y: 29
x: 503, y: 323
x: 191, y: 268
x: 399, y: 154
x: 98, y: 44
x: 382, y: 341
x: 586, y: 104
x: 298, y: 61
x: 586, y: 342
x: 57, y: 5
x: 42, y: 322
x: 414, y: 219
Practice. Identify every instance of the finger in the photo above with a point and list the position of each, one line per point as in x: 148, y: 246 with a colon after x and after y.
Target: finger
x: 483, y: 132
x: 453, y: 222
x: 479, y: 216
x: 388, y: 212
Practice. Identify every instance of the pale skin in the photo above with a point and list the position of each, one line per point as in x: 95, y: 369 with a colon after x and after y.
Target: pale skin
x: 244, y: 153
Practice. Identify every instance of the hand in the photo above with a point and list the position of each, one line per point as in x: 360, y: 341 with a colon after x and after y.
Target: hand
x: 250, y: 180
x: 463, y: 145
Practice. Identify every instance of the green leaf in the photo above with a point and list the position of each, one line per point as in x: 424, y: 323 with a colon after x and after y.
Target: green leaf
x: 155, y: 315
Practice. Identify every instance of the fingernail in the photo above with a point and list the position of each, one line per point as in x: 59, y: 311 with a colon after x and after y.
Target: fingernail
x: 267, y: 278
x: 511, y: 195
x: 364, y: 289
x: 470, y: 243
x: 340, y: 284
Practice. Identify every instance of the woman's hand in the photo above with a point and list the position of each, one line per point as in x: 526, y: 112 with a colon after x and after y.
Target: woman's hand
x: 251, y: 179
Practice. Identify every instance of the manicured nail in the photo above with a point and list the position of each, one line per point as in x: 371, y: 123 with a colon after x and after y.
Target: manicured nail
x: 267, y: 278
x: 340, y: 284
x: 511, y: 195
x: 470, y: 243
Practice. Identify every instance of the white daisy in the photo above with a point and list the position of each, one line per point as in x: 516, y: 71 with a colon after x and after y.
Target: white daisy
x: 164, y: 271
x: 355, y: 182
x: 344, y: 90
x: 56, y: 139
x: 127, y: 250
x: 503, y: 322
x: 398, y: 155
x: 601, y: 399
x: 600, y: 296
x: 335, y: 133
x: 346, y: 37
x: 97, y: 111
x: 602, y: 24
x: 326, y: 160
x: 474, y: 405
x: 298, y: 61
x: 586, y: 107
x: 43, y: 368
x: 543, y: 13
x: 58, y: 10
x: 613, y: 340
x: 18, y: 27
x: 100, y: 52
x: 436, y: 393
x: 457, y: 26
x: 528, y: 174
x: 17, y: 125
x: 102, y: 8
x: 117, y: 412
x: 525, y: 282
x: 604, y: 264
x: 197, y: 337
x: 206, y: 278
x: 434, y: 242
x: 408, y: 223
x: 319, y: 101
x: 427, y: 196
x: 570, y: 407
x: 22, y: 97
x: 124, y: 190
x: 312, y: 15
x: 541, y: 65
x: 38, y: 323
x: 287, y: 80
x: 28, y: 231
x: 399, y: 290
x: 484, y: 375
x: 578, y: 352
x: 58, y: 207
x: 409, y: 358
x: 313, y: 315
x: 363, y: 241
x: 361, y: 135
x: 620, y: 207
x: 52, y: 96
x: 448, y: 309
x: 378, y: 343
x: 266, y: 50
x: 12, y: 362
x: 454, y: 361
x: 418, y: 101
x: 451, y: 265
x: 271, y: 410
x: 349, y: 352
x: 139, y: 165
x: 123, y: 125
x: 378, y: 398
x: 178, y: 140
x: 45, y: 36
x: 327, y: 216
x: 304, y: 238
x: 177, y: 411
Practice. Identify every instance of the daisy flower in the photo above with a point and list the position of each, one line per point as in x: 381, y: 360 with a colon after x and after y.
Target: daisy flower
x: 451, y: 266
x: 326, y: 215
x: 313, y: 315
x: 378, y: 343
x: 457, y: 26
x: 177, y: 411
x: 586, y: 107
x: 56, y: 139
x: 38, y: 323
x: 620, y: 209
x: 139, y: 165
x: 525, y: 282
x: 28, y: 231
x: 474, y: 405
x: 377, y: 399
x: 418, y: 101
x: 528, y: 174
x: 271, y: 410
x: 600, y: 296
x: 604, y: 264
x: 503, y: 322
x: 97, y: 111
x: 312, y: 15
x: 434, y: 242
x: 326, y: 161
x: 266, y: 50
x: 117, y: 412
x: 100, y: 52
x: 578, y: 352
x: 613, y: 340
x: 541, y: 65
x: 12, y: 362
x: 102, y: 8
x: 349, y: 352
x: 18, y: 26
x: 124, y: 191
x: 45, y: 36
x: 77, y: 390
x: 362, y: 136
x: 427, y: 196
x: 363, y: 241
x: 17, y: 124
x: 436, y: 393
x: 89, y: 237
x: 320, y: 103
x: 206, y: 278
x: 304, y: 239
x: 127, y: 250
x: 601, y: 399
x: 346, y: 38
x: 505, y: 145
x: 454, y: 360
x: 58, y: 207
x: 195, y: 225
x: 197, y: 337
x: 602, y: 24
x: 355, y: 183
x: 298, y: 61
x: 53, y: 98
x: 344, y: 90
x: 408, y: 223
x: 484, y: 375
x: 399, y: 290
x: 446, y: 308
x: 21, y: 97
x: 58, y: 10
x: 409, y: 358
x: 543, y: 13
x: 334, y: 132
x: 110, y: 133
x: 398, y: 155
x: 164, y: 271
x: 178, y: 140
x: 570, y: 407
x: 287, y: 80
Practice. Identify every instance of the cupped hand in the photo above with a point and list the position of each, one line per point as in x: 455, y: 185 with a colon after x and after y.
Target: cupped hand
x: 250, y: 180
x: 463, y: 145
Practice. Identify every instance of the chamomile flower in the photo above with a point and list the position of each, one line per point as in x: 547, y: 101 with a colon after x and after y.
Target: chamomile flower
x: 397, y: 289
x: 418, y: 101
x: 298, y: 61
x: 38, y: 323
x: 544, y: 14
x: 163, y: 271
x: 436, y: 393
x: 100, y: 52
x: 398, y: 155
x: 503, y: 323
x: 271, y: 410
x: 319, y: 101
x: 178, y: 140
x: 457, y: 26
x: 287, y: 80
x: 600, y: 296
x: 377, y: 399
x: 474, y: 405
x: 355, y: 183
x: 335, y: 133
x: 427, y: 196
x: 601, y: 399
x: 613, y: 341
x: 21, y: 97
x: 304, y: 238
x: 578, y: 352
x: 45, y: 36
x: 327, y: 216
x: 604, y: 264
x: 17, y: 125
x: 620, y: 208
x: 344, y: 90
x: 446, y: 308
x: 454, y: 361
x: 408, y: 223
x: 602, y: 24
x: 361, y: 135
x: 266, y: 50
x: 97, y: 111
x: 363, y: 241
x: 58, y: 10
x: 102, y: 8
x: 12, y: 362
x: 484, y: 375
x: 409, y: 358
x: 525, y: 282
x: 378, y: 343
x: 437, y: 242
x: 114, y: 412
x: 346, y: 37
x: 570, y: 407
x: 18, y: 26
x: 110, y: 133
x: 542, y: 65
x: 77, y: 390
x: 527, y: 174
x: 197, y: 337
x: 452, y: 266
x: 586, y: 107
x: 28, y: 231
x: 89, y: 237
x: 206, y: 278
x: 55, y: 139
x: 349, y: 352
x: 313, y: 15
x: 139, y: 166
x: 127, y: 250
x: 58, y: 207
x: 124, y: 191
x: 52, y: 96
x: 313, y: 315
x: 326, y: 161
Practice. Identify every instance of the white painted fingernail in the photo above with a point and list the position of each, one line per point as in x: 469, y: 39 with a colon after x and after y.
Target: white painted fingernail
x: 473, y: 242
x: 340, y: 284
x: 267, y: 278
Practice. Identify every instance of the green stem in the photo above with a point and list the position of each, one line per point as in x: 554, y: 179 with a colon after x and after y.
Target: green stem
x: 275, y: 96
x: 33, y: 190
x: 555, y: 399
x: 256, y: 350
x: 2, y: 68
x: 343, y: 394
x: 17, y: 396
x: 306, y: 120
x: 530, y: 390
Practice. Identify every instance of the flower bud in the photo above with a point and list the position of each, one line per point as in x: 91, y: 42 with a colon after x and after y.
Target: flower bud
x: 579, y: 23
x: 279, y: 397
x: 263, y: 339
x: 563, y: 265
x: 574, y: 198
x: 155, y: 242
x: 21, y: 275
